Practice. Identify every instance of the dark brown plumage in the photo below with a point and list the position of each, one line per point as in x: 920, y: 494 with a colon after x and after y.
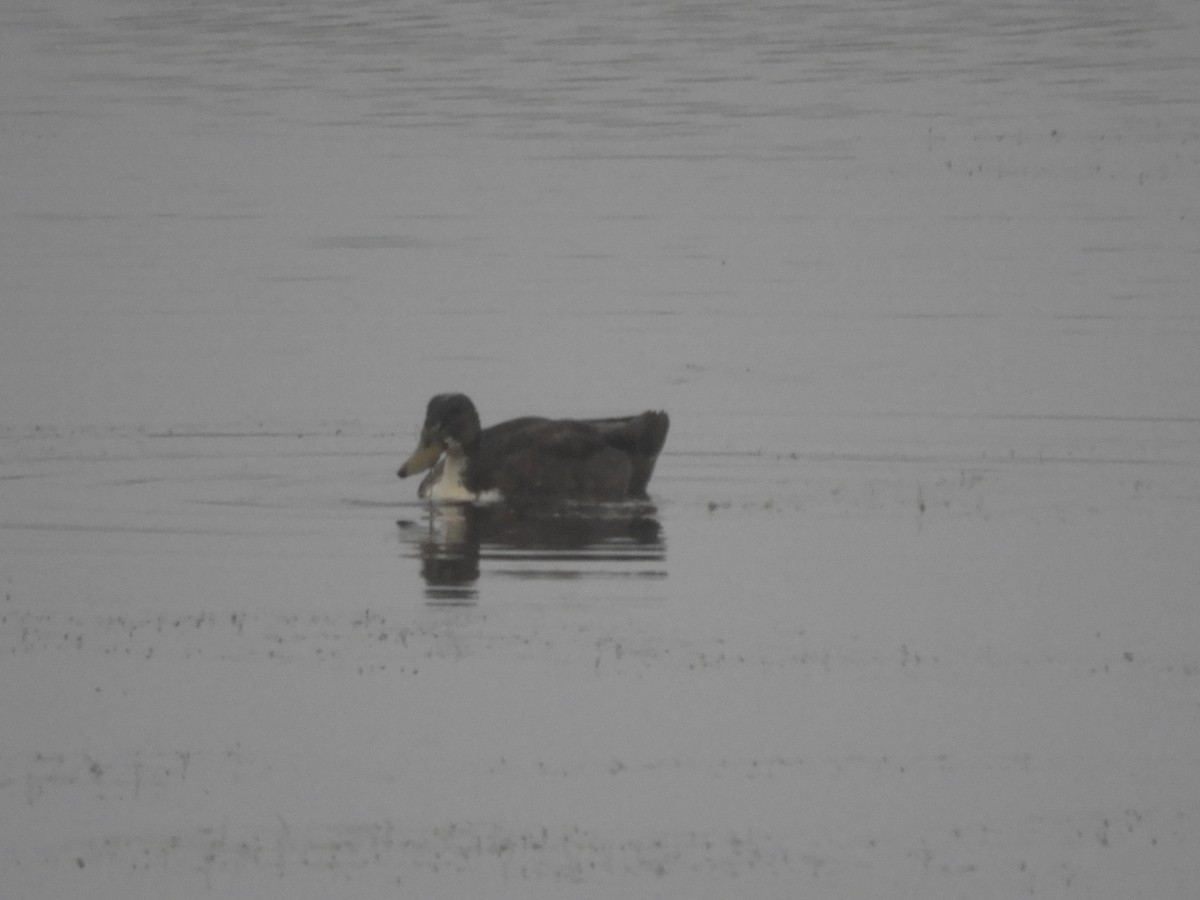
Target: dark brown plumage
x: 600, y: 460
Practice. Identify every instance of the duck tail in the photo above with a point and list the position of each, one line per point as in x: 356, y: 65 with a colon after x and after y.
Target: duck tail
x: 651, y: 436
x: 654, y: 432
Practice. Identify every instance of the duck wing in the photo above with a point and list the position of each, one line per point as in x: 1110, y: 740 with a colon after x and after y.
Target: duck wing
x: 642, y: 437
x: 610, y: 457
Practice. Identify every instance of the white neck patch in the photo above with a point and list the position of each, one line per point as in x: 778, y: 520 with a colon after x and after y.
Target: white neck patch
x: 451, y: 488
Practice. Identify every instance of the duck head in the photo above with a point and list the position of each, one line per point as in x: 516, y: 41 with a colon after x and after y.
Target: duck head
x: 451, y: 423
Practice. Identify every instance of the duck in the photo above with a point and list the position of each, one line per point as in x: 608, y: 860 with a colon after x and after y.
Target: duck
x: 533, y: 458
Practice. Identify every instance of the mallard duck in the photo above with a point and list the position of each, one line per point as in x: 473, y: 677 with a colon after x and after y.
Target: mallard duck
x: 600, y: 460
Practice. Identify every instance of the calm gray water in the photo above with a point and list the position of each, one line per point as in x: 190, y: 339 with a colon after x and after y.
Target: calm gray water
x: 240, y: 211
x: 911, y: 612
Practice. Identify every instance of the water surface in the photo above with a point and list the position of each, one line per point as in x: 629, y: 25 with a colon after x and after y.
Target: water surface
x: 911, y: 612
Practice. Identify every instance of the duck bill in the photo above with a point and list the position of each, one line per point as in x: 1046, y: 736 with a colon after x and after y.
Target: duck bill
x: 426, y: 454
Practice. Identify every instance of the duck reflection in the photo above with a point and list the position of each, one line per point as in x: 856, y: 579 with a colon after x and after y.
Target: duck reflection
x: 453, y: 541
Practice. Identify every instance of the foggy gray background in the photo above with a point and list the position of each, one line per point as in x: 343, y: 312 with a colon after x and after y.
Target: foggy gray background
x: 916, y: 282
